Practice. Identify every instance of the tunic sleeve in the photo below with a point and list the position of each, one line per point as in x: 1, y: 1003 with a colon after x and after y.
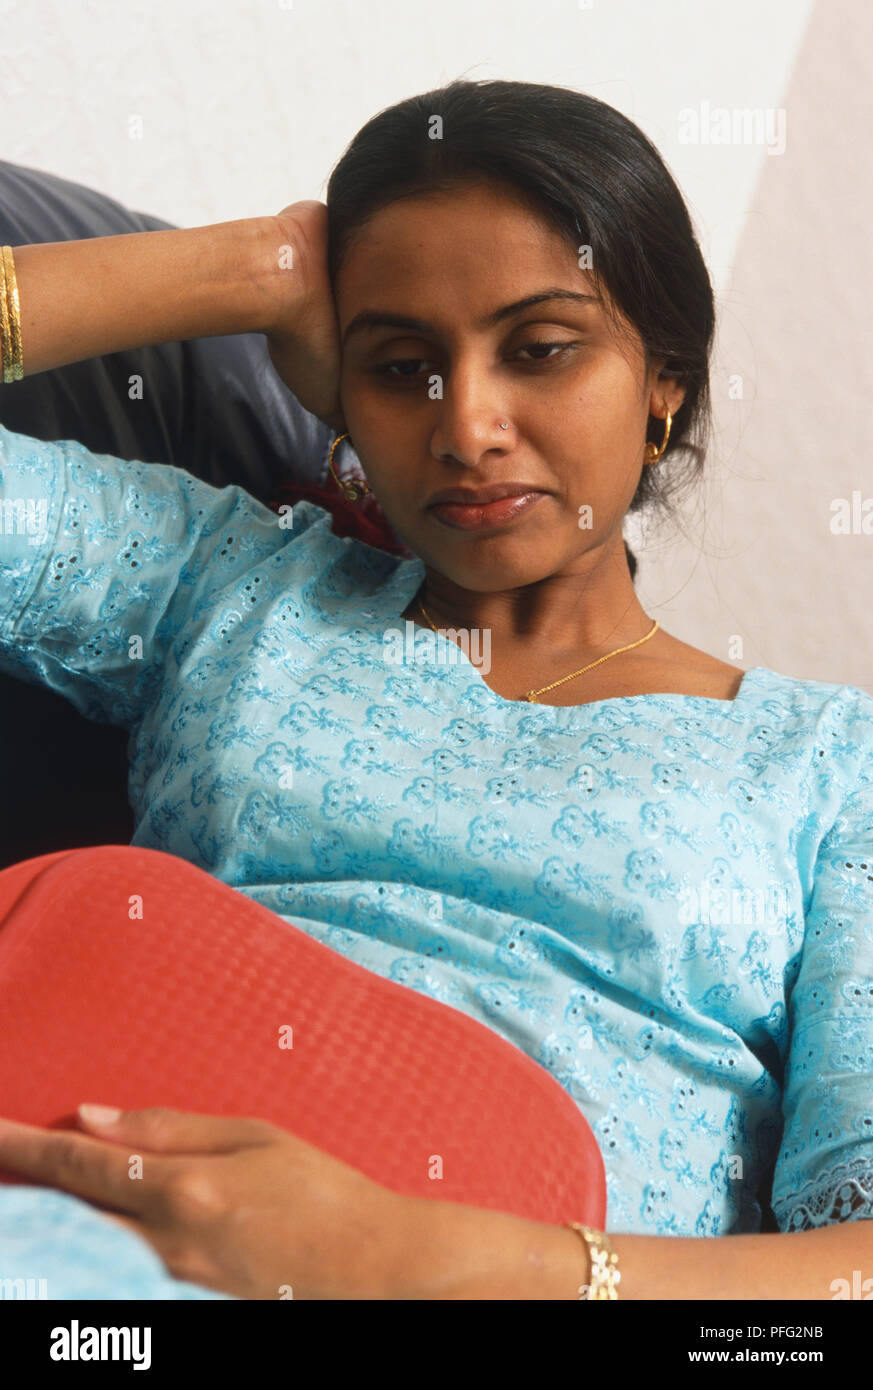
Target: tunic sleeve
x: 824, y: 1172
x: 104, y: 561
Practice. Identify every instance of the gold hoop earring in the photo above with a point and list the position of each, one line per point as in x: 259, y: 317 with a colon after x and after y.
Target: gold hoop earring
x: 353, y: 492
x: 651, y: 454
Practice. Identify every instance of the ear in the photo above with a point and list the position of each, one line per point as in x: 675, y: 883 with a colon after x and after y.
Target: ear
x: 666, y: 390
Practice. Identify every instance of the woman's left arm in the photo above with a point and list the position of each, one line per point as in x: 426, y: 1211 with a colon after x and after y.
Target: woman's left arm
x: 245, y: 1208
x: 464, y: 1253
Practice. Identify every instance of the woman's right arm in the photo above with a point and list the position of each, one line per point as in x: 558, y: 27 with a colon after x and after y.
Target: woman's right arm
x: 101, y: 295
x: 106, y: 294
x: 92, y: 548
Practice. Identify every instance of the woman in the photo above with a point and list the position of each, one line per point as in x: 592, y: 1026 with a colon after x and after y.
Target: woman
x: 641, y: 865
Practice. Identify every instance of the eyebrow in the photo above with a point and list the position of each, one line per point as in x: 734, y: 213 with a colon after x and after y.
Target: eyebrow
x: 377, y: 318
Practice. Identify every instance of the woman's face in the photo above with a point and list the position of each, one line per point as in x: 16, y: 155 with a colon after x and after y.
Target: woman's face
x: 438, y: 350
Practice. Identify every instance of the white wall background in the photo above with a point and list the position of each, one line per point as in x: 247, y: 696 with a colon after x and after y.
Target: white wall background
x: 244, y: 105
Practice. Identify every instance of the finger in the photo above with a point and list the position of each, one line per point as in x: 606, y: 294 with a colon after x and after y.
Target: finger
x: 176, y: 1131
x: 73, y: 1162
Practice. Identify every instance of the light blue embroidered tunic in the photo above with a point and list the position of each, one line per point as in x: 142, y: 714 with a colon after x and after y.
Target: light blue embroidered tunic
x: 666, y: 900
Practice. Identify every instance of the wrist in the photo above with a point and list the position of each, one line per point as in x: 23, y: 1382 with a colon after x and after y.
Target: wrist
x: 447, y: 1251
x: 266, y: 260
x: 240, y: 287
x: 102, y: 295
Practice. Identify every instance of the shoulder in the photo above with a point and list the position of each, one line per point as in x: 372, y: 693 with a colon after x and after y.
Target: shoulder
x: 835, y: 703
x: 335, y: 565
x: 834, y: 706
x: 832, y: 720
x: 824, y: 730
x: 695, y: 671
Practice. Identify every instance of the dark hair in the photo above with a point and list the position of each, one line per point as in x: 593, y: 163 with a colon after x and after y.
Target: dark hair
x: 594, y: 175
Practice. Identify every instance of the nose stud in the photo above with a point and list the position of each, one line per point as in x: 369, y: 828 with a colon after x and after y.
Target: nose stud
x: 504, y: 426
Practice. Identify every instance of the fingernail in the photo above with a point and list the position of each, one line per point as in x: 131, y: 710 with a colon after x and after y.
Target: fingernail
x: 99, y: 1114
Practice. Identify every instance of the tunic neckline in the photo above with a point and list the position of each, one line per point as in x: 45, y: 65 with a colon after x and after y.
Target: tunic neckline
x: 406, y: 581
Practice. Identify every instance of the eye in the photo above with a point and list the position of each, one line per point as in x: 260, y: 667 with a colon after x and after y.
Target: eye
x: 406, y: 369
x: 410, y: 371
x: 386, y: 369
x: 537, y: 346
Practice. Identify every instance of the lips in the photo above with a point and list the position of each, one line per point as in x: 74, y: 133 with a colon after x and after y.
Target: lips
x: 503, y: 503
x: 473, y: 497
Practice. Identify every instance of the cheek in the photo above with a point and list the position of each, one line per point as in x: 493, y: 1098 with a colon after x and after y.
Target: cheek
x: 383, y: 434
x: 361, y: 407
x: 384, y: 455
x: 367, y: 401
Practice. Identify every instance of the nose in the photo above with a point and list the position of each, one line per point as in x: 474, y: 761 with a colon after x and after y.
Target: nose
x: 469, y: 416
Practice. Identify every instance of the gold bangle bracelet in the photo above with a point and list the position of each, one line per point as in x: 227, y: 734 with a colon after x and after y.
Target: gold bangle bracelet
x: 5, y: 331
x: 605, y: 1274
x: 10, y: 319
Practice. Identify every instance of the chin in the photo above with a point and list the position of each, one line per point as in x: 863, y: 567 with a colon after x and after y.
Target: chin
x: 489, y: 571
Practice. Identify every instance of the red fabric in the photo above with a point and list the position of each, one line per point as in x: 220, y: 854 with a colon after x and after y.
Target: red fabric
x: 363, y: 520
x: 184, y: 1007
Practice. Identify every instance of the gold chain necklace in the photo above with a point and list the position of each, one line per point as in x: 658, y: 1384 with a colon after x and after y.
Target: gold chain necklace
x: 531, y: 696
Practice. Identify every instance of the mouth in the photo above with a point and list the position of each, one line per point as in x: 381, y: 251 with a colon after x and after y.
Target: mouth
x: 477, y: 509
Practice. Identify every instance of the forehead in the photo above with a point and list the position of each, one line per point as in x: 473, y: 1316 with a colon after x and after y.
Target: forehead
x: 479, y: 239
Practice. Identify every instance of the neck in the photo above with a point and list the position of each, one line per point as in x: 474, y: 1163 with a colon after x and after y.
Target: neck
x: 589, y: 607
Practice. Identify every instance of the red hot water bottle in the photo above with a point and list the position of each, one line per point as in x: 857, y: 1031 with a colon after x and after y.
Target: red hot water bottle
x: 132, y: 978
